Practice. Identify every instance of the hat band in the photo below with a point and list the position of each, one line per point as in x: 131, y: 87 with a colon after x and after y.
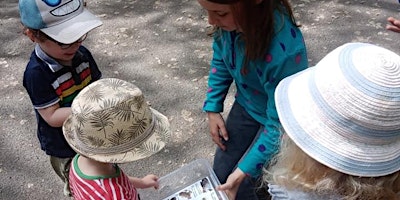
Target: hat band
x: 340, y: 122
x: 120, y: 148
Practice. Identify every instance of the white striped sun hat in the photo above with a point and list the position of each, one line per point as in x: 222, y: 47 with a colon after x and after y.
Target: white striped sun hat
x: 111, y: 122
x: 345, y: 111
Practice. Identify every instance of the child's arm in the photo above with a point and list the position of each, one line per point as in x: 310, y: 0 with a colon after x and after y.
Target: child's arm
x: 150, y: 180
x: 54, y: 115
x: 394, y: 25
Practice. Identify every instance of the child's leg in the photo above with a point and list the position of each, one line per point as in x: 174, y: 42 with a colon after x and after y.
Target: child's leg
x: 242, y: 130
x: 61, y: 167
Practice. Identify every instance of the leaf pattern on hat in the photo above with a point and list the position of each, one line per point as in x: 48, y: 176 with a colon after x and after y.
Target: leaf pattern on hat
x: 139, y: 102
x: 138, y: 127
x: 101, y: 120
x: 82, y: 118
x: 109, y: 122
x: 164, y: 130
x: 116, y: 84
x: 94, y: 141
x: 123, y: 111
x: 108, y: 103
x: 76, y: 130
x: 94, y: 94
x: 68, y: 132
x: 119, y: 137
x: 148, y: 148
x: 116, y: 160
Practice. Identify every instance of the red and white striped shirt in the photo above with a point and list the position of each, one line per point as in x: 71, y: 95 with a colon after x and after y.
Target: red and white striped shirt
x: 84, y: 187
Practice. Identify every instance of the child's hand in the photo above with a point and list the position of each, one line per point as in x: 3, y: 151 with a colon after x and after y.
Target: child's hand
x: 232, y: 183
x: 217, y: 129
x: 150, y: 180
x: 394, y: 25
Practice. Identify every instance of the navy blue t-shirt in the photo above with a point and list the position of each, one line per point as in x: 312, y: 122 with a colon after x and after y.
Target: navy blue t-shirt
x: 48, y: 83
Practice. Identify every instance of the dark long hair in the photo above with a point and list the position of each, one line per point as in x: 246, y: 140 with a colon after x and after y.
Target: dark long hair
x: 256, y: 20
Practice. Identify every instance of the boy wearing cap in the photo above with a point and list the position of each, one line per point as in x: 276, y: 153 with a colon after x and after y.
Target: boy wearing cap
x: 112, y: 123
x: 59, y: 67
x: 342, y: 128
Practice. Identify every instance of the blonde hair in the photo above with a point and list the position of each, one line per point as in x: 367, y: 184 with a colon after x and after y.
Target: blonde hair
x: 295, y: 170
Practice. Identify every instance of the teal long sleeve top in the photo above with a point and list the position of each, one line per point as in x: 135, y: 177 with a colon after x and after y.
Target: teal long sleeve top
x: 255, y: 90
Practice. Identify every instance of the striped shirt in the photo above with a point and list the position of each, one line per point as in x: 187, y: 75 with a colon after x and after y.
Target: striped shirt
x: 48, y: 83
x: 115, y: 187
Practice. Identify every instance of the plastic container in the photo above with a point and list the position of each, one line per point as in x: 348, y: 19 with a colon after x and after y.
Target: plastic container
x: 194, y: 181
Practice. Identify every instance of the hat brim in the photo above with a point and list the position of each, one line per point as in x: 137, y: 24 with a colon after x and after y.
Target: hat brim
x: 70, y: 31
x: 157, y: 141
x: 310, y: 122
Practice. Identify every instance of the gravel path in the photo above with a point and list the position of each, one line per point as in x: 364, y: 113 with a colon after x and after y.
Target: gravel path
x: 162, y: 47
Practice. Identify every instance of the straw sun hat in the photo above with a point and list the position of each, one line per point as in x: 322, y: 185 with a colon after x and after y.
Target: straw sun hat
x: 111, y: 122
x: 345, y: 111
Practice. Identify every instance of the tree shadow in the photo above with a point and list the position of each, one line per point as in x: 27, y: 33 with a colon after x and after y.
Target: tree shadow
x: 162, y: 47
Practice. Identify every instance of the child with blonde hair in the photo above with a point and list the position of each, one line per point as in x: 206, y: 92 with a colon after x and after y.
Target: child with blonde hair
x: 342, y: 128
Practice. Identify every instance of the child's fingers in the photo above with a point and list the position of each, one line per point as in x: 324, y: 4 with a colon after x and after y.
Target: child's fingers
x: 154, y: 177
x: 394, y: 24
x: 391, y: 19
x: 393, y: 28
x: 394, y: 21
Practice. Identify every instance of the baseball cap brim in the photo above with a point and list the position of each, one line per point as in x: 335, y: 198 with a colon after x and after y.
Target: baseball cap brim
x: 70, y: 31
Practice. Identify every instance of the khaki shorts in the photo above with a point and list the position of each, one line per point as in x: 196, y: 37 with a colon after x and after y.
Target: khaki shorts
x: 61, y: 167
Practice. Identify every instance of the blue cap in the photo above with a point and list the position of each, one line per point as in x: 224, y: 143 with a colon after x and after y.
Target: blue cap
x: 63, y: 20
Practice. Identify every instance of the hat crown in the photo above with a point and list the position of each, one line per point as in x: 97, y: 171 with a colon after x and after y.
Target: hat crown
x: 39, y: 14
x: 345, y: 111
x: 361, y: 94
x: 110, y: 116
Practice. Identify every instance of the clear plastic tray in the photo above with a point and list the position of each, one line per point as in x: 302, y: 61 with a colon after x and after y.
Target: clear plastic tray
x: 194, y: 181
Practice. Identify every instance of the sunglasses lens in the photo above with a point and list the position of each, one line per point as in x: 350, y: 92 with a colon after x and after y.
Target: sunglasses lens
x: 66, y: 46
x: 62, y: 45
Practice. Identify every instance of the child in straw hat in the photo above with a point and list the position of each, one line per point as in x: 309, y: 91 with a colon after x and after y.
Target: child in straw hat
x: 111, y: 123
x: 342, y: 128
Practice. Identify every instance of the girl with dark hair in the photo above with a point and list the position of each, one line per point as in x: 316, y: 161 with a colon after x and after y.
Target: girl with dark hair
x: 256, y: 44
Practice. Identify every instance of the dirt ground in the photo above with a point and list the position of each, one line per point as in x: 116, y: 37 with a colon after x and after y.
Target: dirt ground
x: 162, y: 47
